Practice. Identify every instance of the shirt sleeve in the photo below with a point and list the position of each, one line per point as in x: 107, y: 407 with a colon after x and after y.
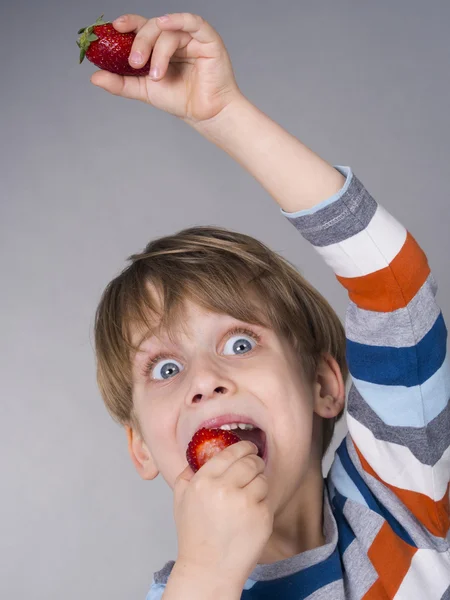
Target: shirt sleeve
x: 156, y: 591
x: 398, y: 411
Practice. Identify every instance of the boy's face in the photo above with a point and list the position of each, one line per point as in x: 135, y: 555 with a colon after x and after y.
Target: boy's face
x: 209, y: 373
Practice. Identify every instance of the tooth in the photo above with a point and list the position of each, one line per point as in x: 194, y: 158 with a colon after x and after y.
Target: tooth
x: 228, y: 426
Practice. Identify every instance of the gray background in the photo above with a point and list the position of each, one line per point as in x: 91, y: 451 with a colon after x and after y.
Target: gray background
x: 89, y: 178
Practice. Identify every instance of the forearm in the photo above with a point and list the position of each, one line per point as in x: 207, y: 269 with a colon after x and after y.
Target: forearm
x: 185, y: 583
x: 289, y: 171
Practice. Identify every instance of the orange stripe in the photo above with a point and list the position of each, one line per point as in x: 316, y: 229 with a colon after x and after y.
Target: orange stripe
x: 434, y: 515
x: 391, y: 558
x: 376, y: 592
x: 394, y: 286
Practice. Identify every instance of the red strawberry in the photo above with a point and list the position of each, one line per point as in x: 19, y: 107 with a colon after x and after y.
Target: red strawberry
x: 206, y: 443
x: 108, y: 49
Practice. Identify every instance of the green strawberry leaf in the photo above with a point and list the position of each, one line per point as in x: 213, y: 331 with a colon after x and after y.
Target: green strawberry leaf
x: 87, y: 36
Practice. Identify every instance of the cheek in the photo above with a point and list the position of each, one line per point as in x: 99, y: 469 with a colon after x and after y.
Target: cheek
x: 279, y: 379
x: 289, y: 400
x: 158, y: 423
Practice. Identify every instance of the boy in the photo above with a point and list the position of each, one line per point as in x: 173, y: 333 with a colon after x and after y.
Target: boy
x: 266, y: 527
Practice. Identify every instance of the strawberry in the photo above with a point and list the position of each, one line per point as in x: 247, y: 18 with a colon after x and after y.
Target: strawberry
x: 108, y: 49
x: 206, y: 443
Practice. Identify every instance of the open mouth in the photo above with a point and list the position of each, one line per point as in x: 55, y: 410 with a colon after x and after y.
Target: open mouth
x: 256, y: 435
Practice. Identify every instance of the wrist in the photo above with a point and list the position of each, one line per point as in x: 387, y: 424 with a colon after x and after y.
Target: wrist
x: 202, y: 582
x: 211, y: 128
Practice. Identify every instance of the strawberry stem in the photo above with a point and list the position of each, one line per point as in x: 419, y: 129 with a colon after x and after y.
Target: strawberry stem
x: 87, y: 36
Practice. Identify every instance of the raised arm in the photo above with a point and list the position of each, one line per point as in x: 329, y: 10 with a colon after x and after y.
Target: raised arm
x: 289, y: 171
x: 398, y: 410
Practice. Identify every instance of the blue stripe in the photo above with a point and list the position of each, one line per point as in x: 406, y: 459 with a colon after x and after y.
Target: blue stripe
x: 300, y: 585
x: 156, y: 591
x: 372, y: 502
x: 385, y: 365
x: 415, y: 406
x: 346, y: 535
x: 343, y: 483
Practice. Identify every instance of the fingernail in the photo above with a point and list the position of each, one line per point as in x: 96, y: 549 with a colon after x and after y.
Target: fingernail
x: 154, y: 72
x: 136, y: 57
x: 120, y: 20
x: 163, y: 18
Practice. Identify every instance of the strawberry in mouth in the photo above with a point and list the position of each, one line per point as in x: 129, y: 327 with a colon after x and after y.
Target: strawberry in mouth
x: 207, y: 442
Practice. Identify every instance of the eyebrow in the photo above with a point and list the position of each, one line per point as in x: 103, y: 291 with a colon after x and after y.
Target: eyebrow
x: 158, y: 332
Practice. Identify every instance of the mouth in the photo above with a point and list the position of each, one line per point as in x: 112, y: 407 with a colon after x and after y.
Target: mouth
x: 256, y: 435
x: 244, y: 427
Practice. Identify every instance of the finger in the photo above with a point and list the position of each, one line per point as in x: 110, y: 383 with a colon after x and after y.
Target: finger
x: 165, y: 47
x: 218, y: 464
x: 186, y: 475
x: 258, y: 488
x: 130, y: 22
x: 243, y: 471
x: 181, y: 483
x: 147, y: 33
x: 119, y: 85
x: 195, y: 25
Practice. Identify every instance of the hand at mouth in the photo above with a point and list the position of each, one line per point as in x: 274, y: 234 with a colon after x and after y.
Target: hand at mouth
x: 208, y: 442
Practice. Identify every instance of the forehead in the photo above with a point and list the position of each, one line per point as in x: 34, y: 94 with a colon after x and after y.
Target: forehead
x: 148, y: 332
x: 186, y: 326
x: 152, y: 330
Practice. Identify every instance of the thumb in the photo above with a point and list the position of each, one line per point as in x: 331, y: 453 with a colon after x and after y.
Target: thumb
x: 118, y: 85
x: 183, y: 479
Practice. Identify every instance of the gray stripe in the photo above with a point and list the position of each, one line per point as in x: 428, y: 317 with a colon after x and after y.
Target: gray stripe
x: 340, y: 220
x: 427, y: 444
x: 364, y: 522
x: 401, y: 328
x: 334, y: 590
x: 361, y: 574
x: 446, y: 595
x: 163, y: 575
x: 386, y: 497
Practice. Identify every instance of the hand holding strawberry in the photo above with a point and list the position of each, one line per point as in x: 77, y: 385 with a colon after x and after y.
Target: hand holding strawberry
x: 108, y: 49
x: 221, y: 512
x: 206, y: 443
x: 193, y: 78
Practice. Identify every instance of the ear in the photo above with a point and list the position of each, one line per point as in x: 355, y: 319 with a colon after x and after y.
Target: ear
x: 140, y: 454
x: 329, y: 388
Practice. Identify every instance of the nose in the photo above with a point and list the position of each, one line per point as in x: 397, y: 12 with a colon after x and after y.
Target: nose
x: 218, y: 390
x: 209, y: 380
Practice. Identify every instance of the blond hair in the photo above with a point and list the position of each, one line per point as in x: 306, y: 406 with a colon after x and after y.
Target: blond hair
x: 222, y: 271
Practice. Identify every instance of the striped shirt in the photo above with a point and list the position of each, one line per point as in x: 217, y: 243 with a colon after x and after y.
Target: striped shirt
x: 386, y: 496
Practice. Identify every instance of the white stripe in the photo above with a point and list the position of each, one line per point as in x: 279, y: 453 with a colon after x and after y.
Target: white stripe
x: 428, y: 577
x: 397, y: 466
x: 368, y: 251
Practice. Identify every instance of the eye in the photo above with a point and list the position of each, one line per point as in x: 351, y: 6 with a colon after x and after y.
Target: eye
x: 241, y: 344
x: 157, y: 365
x: 167, y: 370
